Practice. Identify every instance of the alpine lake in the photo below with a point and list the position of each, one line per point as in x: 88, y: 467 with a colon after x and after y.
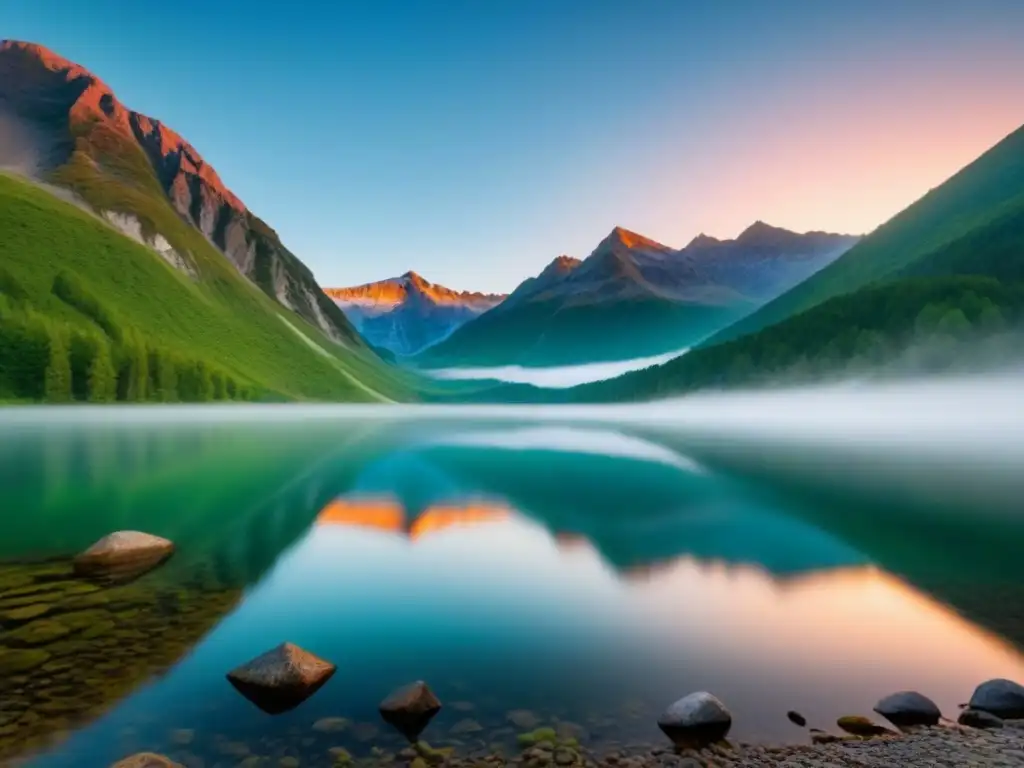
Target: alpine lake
x: 576, y: 574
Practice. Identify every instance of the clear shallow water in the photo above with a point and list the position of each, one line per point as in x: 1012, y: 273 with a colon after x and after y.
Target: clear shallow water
x: 587, y: 572
x: 557, y: 377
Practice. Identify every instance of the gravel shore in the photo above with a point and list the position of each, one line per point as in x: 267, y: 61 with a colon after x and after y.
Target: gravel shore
x: 936, y: 747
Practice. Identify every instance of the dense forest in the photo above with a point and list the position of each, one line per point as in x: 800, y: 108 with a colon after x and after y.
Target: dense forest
x: 100, y: 360
x: 923, y: 324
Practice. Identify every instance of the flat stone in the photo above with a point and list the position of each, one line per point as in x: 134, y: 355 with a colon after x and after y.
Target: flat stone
x: 25, y: 613
x: 466, y: 725
x: 39, y: 632
x: 977, y: 718
x: 796, y: 718
x: 410, y: 708
x: 1002, y: 698
x: 15, y: 661
x: 123, y: 555
x: 282, y: 678
x: 862, y: 726
x: 147, y: 760
x: 331, y: 725
x: 908, y: 708
x: 696, y: 720
x: 522, y: 718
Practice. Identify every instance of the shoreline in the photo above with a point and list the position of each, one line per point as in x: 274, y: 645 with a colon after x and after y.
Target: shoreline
x: 942, y: 746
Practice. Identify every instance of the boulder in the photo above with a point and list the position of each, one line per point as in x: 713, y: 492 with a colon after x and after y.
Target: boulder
x: 976, y: 718
x: 123, y: 555
x: 696, y: 720
x: 908, y: 708
x: 1002, y: 698
x: 282, y: 678
x: 410, y: 708
x: 862, y: 726
x: 146, y: 760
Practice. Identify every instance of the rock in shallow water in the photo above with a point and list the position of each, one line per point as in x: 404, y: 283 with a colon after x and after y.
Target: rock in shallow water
x: 123, y: 555
x: 976, y: 718
x: 696, y: 720
x: 146, y: 760
x: 1002, y: 698
x: 410, y: 708
x: 908, y: 708
x: 282, y: 678
x: 862, y: 726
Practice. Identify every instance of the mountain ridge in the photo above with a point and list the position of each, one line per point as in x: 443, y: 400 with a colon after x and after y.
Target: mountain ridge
x: 643, y: 296
x: 407, y: 314
x: 118, y: 161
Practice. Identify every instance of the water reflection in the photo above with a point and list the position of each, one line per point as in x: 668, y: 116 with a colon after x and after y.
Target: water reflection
x: 589, y: 575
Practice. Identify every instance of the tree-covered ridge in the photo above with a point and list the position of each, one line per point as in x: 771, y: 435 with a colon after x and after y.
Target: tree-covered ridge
x: 64, y: 267
x: 934, y: 320
x: 48, y: 359
x: 980, y: 196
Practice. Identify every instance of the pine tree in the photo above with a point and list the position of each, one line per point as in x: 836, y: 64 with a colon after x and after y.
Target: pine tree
x: 138, y: 368
x: 205, y: 382
x: 102, y: 376
x: 57, y: 383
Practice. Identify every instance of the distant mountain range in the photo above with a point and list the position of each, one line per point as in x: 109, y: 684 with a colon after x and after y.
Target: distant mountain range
x: 408, y: 314
x: 634, y: 297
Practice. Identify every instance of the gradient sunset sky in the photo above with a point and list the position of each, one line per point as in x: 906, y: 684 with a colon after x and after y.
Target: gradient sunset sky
x: 474, y: 141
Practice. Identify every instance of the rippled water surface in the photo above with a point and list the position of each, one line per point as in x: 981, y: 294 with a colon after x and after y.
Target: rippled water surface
x: 534, y: 571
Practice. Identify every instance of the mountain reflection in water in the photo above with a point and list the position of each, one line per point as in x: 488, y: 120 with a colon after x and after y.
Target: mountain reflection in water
x: 591, y: 574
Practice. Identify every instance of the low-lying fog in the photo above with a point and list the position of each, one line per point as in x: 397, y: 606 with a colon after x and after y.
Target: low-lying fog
x: 556, y: 377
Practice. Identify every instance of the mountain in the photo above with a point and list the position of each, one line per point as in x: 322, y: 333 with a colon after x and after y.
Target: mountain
x: 125, y: 268
x: 634, y: 297
x: 978, y: 196
x: 407, y: 314
x: 62, y: 124
x: 939, y: 287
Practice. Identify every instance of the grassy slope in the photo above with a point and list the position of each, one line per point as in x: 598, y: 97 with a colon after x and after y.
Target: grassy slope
x: 220, y: 316
x: 985, y: 191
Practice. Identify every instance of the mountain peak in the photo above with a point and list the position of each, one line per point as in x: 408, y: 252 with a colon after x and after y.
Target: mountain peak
x: 703, y: 240
x: 761, y: 231
x: 630, y: 239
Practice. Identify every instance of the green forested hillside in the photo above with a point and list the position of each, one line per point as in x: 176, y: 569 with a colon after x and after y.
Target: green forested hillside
x: 133, y: 327
x: 932, y: 324
x: 989, y: 190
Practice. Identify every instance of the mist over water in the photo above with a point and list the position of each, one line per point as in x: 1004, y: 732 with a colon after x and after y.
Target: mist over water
x: 557, y: 377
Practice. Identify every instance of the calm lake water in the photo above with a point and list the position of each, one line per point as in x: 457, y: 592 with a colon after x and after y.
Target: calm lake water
x: 573, y: 572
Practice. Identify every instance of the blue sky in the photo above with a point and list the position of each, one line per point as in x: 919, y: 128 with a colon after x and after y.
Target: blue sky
x: 475, y: 141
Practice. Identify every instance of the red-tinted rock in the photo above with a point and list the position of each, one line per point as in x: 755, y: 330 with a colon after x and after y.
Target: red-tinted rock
x: 123, y: 555
x: 282, y: 678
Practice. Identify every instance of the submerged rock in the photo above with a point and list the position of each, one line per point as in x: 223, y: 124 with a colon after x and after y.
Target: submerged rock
x: 977, y: 718
x: 522, y: 718
x: 331, y: 724
x: 410, y: 708
x: 796, y: 718
x: 123, y: 555
x: 908, y: 708
x: 282, y: 678
x: 695, y: 720
x: 147, y: 760
x: 1002, y: 698
x: 862, y: 726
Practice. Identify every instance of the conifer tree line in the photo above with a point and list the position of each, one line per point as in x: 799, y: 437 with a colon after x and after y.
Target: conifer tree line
x: 46, y: 359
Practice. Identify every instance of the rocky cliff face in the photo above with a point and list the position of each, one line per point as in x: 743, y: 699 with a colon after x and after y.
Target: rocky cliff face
x: 407, y: 314
x: 64, y: 117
